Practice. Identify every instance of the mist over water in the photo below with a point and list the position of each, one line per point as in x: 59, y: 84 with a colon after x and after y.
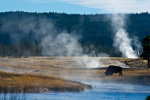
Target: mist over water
x: 99, y: 92
x: 62, y: 43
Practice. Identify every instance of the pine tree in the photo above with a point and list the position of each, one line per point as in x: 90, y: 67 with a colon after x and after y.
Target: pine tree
x: 146, y: 49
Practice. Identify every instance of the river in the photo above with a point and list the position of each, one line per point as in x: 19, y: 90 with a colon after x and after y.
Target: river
x: 99, y: 92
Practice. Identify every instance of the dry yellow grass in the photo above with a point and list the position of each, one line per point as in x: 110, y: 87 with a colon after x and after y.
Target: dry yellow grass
x: 130, y: 76
x: 11, y: 82
x: 68, y: 68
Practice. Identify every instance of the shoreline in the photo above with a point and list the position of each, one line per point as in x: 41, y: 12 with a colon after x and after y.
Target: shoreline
x: 26, y: 83
x: 53, y: 74
x: 133, y: 80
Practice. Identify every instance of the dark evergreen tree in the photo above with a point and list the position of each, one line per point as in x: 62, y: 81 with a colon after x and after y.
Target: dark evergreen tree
x: 146, y: 49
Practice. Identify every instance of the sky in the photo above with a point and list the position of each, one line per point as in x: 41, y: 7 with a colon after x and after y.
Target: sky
x: 76, y: 6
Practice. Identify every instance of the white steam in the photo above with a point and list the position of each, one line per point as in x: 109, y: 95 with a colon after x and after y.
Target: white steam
x: 90, y: 62
x: 121, y: 38
x: 52, y: 41
x: 123, y: 42
x: 63, y: 44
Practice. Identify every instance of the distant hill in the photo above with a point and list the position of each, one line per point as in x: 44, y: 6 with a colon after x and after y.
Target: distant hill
x: 19, y: 27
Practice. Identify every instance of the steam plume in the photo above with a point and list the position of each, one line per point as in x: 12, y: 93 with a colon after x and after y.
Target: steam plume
x: 63, y: 44
x: 52, y: 41
x: 66, y: 44
x: 121, y: 38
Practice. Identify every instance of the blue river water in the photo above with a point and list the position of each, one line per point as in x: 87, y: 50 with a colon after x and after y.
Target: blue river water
x: 99, y: 92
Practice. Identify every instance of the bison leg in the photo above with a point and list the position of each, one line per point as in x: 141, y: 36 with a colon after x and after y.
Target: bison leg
x: 120, y: 73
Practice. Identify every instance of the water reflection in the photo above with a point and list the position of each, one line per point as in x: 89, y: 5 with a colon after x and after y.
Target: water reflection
x: 99, y: 92
x: 12, y: 96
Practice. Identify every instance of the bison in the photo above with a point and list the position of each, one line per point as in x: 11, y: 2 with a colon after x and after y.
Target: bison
x: 113, y: 69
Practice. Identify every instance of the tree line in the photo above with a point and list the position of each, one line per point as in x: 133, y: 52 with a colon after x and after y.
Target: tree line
x: 30, y: 48
x: 95, y: 30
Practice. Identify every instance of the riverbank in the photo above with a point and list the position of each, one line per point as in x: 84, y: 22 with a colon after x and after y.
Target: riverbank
x: 68, y: 68
x: 130, y: 76
x: 26, y: 83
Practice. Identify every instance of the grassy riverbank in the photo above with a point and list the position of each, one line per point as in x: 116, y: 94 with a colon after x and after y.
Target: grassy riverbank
x: 52, y: 74
x: 26, y: 83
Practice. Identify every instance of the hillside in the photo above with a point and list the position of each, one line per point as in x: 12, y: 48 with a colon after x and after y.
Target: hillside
x: 26, y: 30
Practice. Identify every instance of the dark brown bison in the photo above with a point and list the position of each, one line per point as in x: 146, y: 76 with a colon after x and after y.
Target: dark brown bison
x: 148, y: 98
x: 113, y: 69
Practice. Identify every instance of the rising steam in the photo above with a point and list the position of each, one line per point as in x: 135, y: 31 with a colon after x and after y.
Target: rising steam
x: 52, y: 41
x: 123, y: 42
x: 66, y: 44
x: 121, y: 38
